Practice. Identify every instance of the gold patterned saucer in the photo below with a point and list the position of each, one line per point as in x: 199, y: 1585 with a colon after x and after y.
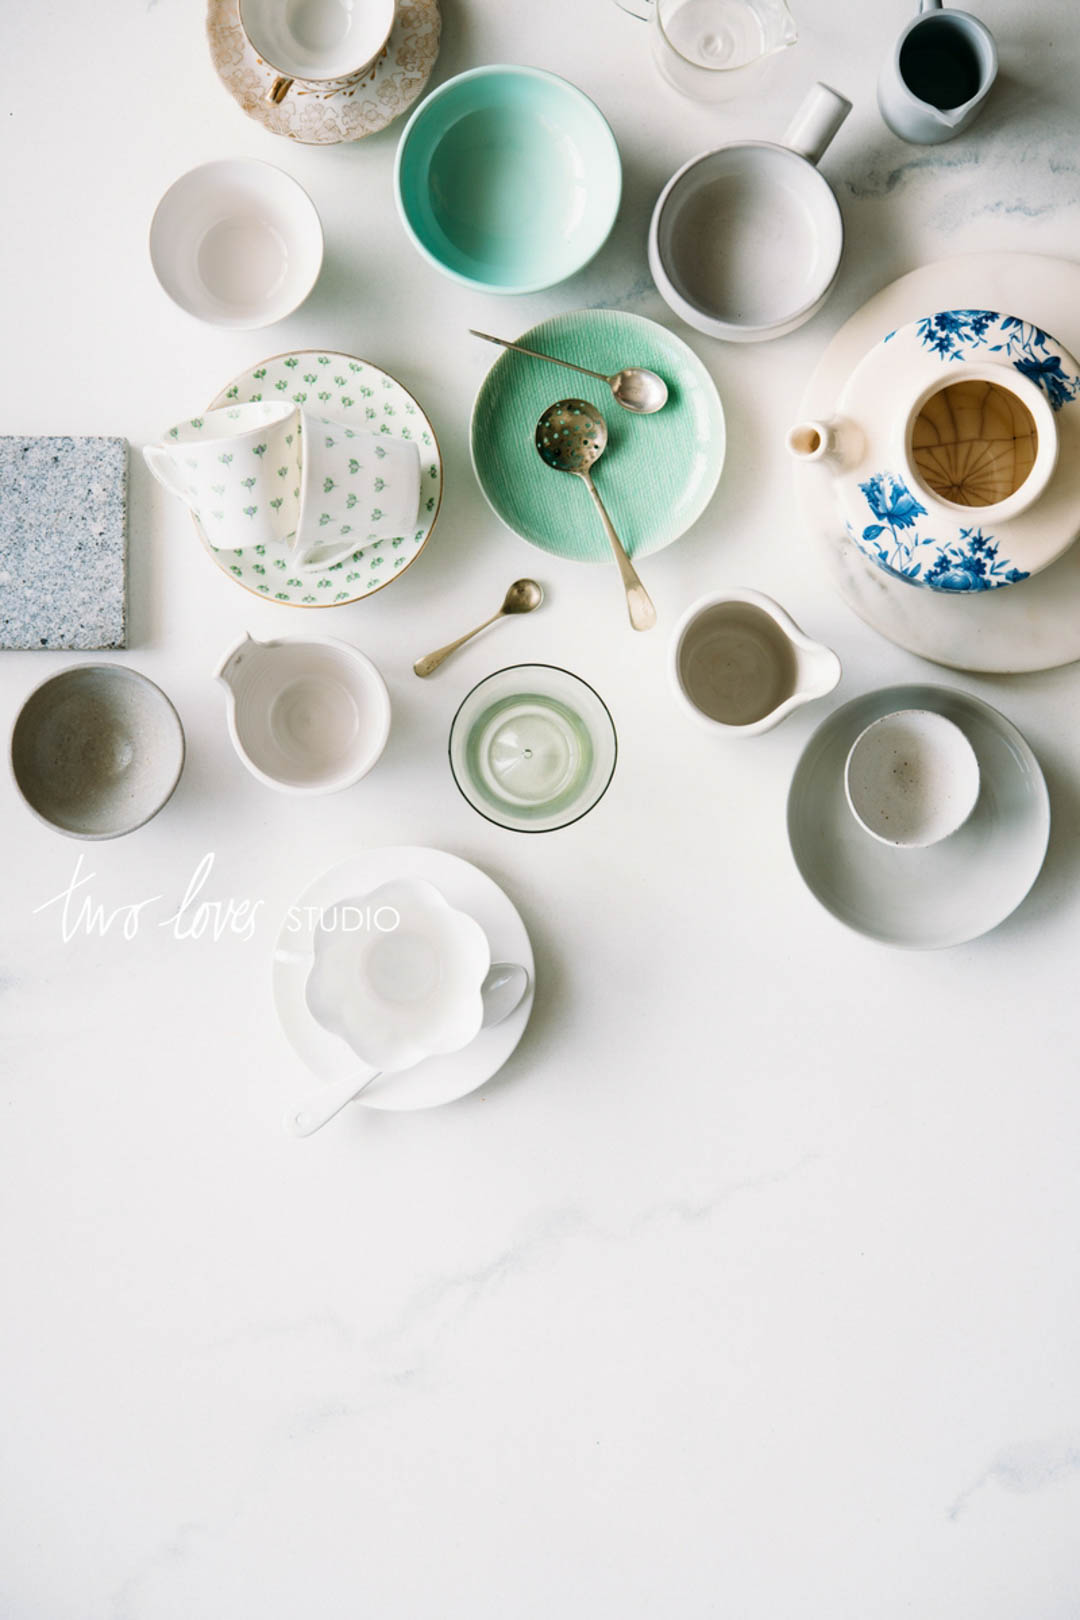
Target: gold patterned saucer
x: 325, y: 117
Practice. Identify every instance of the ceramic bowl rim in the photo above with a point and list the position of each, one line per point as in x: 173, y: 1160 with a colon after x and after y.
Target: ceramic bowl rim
x: 241, y: 324
x: 516, y: 71
x: 506, y: 669
x: 343, y: 779
x: 717, y: 323
x: 168, y: 708
x: 994, y: 717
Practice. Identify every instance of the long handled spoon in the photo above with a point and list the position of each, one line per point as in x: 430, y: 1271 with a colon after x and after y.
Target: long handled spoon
x: 522, y: 597
x: 635, y: 387
x: 570, y: 436
x: 502, y: 990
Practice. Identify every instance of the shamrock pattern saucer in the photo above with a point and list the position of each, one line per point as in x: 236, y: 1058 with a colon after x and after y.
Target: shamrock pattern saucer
x: 356, y: 394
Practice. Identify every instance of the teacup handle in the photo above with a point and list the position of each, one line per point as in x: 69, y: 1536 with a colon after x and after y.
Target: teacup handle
x: 160, y: 464
x: 929, y: 5
x: 816, y: 122
x: 279, y: 89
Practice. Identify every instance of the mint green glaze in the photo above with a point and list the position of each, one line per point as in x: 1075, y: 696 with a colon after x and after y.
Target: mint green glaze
x: 657, y: 474
x: 508, y: 178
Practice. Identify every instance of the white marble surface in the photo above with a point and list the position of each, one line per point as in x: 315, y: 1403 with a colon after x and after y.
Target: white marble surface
x: 749, y: 1288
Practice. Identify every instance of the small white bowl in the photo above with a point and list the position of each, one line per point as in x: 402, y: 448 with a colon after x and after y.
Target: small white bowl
x: 306, y: 715
x: 398, y: 975
x: 237, y: 243
x: 912, y: 778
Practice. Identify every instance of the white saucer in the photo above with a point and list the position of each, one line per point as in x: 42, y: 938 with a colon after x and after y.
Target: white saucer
x: 438, y: 1079
x: 921, y: 898
x: 321, y: 117
x: 1034, y: 624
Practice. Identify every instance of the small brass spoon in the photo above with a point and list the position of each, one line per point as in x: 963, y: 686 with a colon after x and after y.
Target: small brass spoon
x: 636, y: 388
x: 570, y: 436
x: 522, y: 597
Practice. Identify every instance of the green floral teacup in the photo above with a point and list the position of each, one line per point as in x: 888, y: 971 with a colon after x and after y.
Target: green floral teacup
x: 238, y: 469
x: 355, y: 488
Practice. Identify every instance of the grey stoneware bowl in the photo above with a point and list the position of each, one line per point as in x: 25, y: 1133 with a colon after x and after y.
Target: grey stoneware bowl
x: 97, y: 750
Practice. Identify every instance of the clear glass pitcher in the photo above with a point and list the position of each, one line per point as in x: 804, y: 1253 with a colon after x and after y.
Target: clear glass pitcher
x: 715, y: 49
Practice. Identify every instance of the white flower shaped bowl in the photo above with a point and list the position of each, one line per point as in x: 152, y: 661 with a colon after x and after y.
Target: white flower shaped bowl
x: 397, y: 975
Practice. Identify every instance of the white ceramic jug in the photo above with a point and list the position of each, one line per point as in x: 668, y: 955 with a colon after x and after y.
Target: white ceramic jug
x: 741, y: 664
x: 937, y: 76
x: 305, y: 715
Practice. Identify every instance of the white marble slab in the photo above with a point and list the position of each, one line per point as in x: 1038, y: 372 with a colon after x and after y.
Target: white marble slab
x: 748, y: 1288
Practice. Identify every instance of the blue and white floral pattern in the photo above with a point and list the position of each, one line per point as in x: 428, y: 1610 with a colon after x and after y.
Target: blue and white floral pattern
x: 895, y: 541
x: 962, y: 334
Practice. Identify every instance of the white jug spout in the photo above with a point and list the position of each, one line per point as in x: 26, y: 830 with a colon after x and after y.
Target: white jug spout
x: 228, y: 671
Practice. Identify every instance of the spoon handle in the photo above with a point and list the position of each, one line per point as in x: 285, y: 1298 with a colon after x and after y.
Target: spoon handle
x: 504, y: 343
x: 319, y: 1110
x: 431, y: 661
x: 638, y: 601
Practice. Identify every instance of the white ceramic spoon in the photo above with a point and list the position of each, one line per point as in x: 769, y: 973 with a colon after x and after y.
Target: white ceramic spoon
x: 502, y: 990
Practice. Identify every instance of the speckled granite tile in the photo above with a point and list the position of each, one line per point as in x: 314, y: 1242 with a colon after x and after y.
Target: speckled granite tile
x: 63, y: 543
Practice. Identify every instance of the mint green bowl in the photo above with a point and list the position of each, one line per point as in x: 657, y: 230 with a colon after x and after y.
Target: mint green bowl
x: 508, y: 179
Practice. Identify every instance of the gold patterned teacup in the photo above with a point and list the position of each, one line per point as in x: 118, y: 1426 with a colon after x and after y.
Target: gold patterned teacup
x: 317, y: 44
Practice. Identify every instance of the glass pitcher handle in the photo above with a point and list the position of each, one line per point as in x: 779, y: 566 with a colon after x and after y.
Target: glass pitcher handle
x: 642, y: 9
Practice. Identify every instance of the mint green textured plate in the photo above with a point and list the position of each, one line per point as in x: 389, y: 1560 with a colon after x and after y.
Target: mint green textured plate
x: 656, y: 476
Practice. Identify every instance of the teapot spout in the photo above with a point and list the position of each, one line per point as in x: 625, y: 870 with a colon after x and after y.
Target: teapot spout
x: 835, y: 443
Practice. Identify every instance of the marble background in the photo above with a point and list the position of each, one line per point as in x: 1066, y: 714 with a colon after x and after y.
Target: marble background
x: 749, y: 1288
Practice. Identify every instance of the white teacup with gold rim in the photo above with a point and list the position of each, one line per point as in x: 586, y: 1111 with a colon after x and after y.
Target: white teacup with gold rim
x: 238, y: 469
x: 317, y: 44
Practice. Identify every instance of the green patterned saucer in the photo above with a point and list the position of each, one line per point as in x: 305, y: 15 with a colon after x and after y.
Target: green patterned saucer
x: 359, y: 395
x: 657, y: 474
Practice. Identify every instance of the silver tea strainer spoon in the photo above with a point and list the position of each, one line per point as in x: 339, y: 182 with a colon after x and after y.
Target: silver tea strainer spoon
x: 570, y: 436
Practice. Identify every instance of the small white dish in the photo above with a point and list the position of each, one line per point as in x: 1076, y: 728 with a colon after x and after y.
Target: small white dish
x: 307, y: 715
x: 237, y: 243
x: 437, y: 1080
x: 397, y: 975
x: 355, y: 488
x: 745, y: 241
x: 953, y: 891
x: 911, y: 778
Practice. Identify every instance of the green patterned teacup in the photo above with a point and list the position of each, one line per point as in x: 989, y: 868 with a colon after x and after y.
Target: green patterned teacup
x: 355, y: 488
x: 238, y: 469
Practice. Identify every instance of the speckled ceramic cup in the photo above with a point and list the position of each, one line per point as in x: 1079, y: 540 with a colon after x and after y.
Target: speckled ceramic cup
x: 97, y: 750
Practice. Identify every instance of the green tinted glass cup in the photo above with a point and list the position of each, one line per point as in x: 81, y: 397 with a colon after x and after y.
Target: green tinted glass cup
x: 533, y: 748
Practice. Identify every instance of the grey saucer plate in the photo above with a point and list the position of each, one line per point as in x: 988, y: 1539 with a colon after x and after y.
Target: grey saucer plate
x: 921, y: 898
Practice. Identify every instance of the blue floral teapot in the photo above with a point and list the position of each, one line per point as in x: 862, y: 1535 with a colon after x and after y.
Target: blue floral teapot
x: 955, y: 451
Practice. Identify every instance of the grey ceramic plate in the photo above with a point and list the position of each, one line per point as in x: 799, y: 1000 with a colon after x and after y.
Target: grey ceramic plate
x: 921, y: 898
